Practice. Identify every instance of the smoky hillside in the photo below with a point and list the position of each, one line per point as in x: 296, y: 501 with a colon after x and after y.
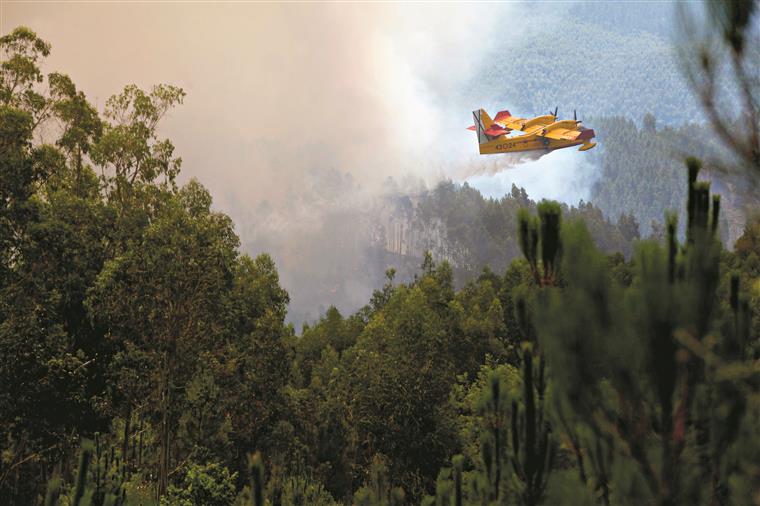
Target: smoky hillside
x: 618, y: 68
x: 594, y: 58
x: 355, y: 246
x: 344, y: 256
x: 250, y: 255
x: 346, y: 177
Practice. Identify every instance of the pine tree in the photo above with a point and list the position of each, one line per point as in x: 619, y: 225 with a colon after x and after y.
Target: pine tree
x: 532, y: 451
x: 494, y: 411
x: 379, y: 492
x: 256, y: 469
x: 636, y: 370
x: 99, y: 480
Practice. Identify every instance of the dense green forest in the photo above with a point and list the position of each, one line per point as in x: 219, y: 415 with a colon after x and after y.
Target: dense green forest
x: 616, y: 66
x: 453, y: 221
x: 456, y: 223
x: 145, y: 360
x: 641, y: 172
x: 640, y: 175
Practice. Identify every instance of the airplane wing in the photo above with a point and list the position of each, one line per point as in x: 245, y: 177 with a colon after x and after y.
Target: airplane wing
x: 562, y: 134
x: 528, y: 126
x: 536, y: 127
x: 504, y: 123
x: 569, y: 134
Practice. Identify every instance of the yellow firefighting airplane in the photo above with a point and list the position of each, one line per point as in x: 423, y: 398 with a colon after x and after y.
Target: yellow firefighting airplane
x: 542, y: 133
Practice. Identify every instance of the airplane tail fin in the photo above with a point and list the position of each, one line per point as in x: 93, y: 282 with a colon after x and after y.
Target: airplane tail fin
x: 482, y: 123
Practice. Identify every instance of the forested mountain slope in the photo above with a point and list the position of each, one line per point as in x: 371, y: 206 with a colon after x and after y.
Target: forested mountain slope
x: 471, y: 231
x: 640, y: 175
x: 655, y: 18
x: 610, y: 64
x: 453, y: 221
x: 639, y: 179
x: 641, y: 171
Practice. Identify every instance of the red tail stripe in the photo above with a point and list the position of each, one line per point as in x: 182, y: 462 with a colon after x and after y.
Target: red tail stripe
x: 494, y: 131
x: 501, y: 115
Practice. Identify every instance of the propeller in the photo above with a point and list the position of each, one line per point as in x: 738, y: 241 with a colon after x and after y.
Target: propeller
x: 577, y: 121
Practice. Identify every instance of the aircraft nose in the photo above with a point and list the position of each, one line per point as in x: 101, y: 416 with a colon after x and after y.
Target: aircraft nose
x: 587, y: 134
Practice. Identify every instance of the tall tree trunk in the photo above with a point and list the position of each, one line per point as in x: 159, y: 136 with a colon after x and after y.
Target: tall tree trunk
x: 125, y: 443
x: 163, y: 461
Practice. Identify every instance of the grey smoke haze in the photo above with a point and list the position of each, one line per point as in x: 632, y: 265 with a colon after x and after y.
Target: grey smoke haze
x: 560, y: 175
x: 297, y: 114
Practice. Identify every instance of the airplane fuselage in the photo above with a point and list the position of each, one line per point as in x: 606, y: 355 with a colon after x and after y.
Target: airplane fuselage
x: 524, y: 143
x: 542, y: 133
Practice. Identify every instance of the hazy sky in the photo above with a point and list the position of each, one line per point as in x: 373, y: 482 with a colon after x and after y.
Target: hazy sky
x: 277, y: 89
x: 284, y: 98
x: 273, y: 90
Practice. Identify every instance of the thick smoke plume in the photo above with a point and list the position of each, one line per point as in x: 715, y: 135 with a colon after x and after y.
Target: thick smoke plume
x: 296, y: 115
x: 498, y: 163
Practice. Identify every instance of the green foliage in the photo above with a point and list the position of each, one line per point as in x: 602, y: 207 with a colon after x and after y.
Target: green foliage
x: 298, y: 491
x: 378, y: 492
x: 94, y: 484
x: 719, y: 61
x: 129, y: 316
x: 513, y: 450
x: 210, y: 484
x: 82, y: 124
x: 20, y: 73
x: 641, y: 173
x: 44, y: 368
x: 129, y: 142
x: 639, y: 365
x: 543, y: 230
x: 398, y: 385
x: 532, y: 451
x: 494, y: 412
x: 458, y: 224
x: 256, y: 470
x: 124, y: 300
x: 627, y: 364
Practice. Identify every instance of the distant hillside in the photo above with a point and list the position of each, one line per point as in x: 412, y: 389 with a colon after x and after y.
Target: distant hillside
x: 655, y: 18
x: 340, y: 258
x: 614, y: 62
x: 454, y: 222
x: 642, y: 171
